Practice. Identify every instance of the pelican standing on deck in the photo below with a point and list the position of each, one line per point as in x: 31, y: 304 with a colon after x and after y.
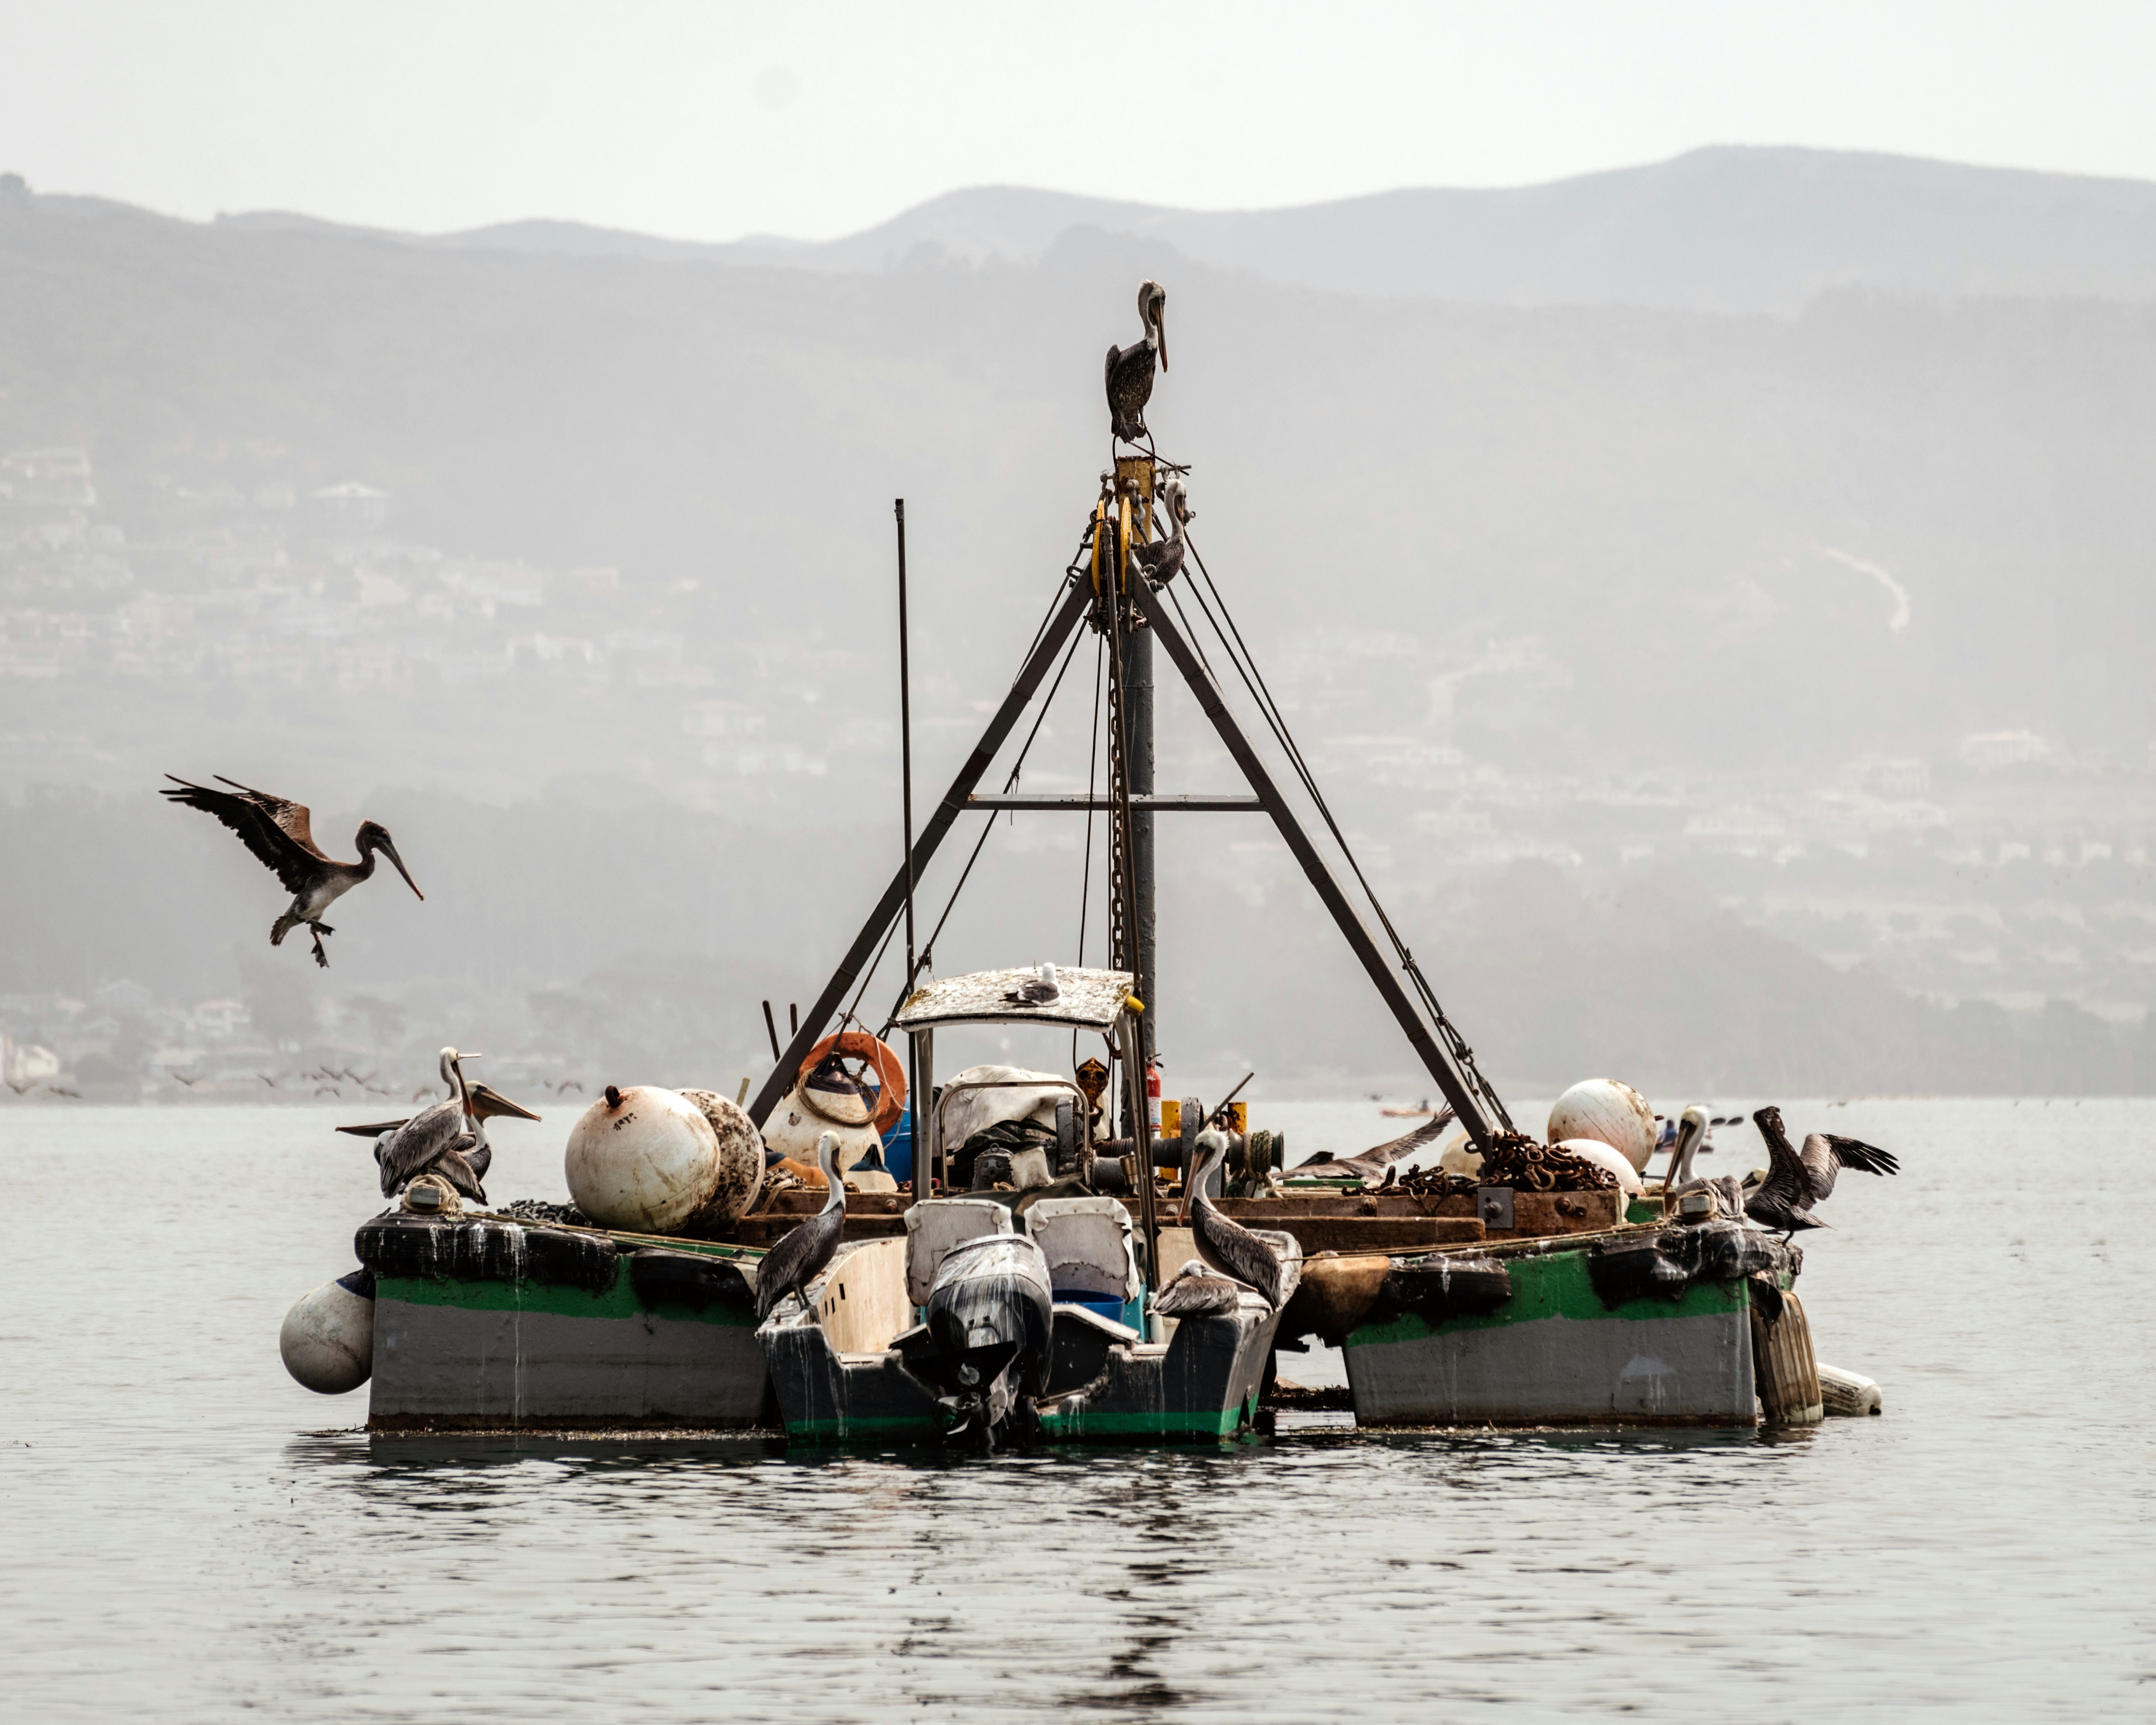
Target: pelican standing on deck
x: 276, y: 830
x: 1796, y: 1180
x: 800, y: 1255
x: 1245, y: 1254
x: 1691, y: 1137
x: 1130, y: 369
x: 484, y: 1103
x: 435, y: 1141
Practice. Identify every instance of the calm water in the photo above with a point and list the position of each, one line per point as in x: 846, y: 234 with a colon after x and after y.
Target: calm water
x: 189, y: 1536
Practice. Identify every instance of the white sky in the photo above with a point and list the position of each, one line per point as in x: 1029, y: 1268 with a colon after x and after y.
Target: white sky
x: 710, y: 121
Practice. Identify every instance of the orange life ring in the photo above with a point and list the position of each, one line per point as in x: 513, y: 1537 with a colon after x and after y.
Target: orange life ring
x: 890, y: 1070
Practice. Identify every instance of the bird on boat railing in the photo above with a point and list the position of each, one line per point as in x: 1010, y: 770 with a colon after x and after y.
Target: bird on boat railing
x: 483, y: 1103
x: 1693, y: 1126
x: 1130, y: 369
x: 276, y: 830
x: 435, y: 1141
x: 1162, y: 560
x: 1250, y: 1255
x: 802, y: 1253
x: 1195, y: 1292
x: 1797, y: 1180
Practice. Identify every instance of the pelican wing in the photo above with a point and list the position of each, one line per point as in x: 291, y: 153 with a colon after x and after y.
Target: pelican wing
x: 1824, y: 1155
x: 1409, y: 1142
x: 375, y: 1130
x: 1197, y: 1296
x: 1788, y: 1184
x: 798, y: 1258
x: 414, y: 1147
x: 290, y: 818
x: 293, y: 859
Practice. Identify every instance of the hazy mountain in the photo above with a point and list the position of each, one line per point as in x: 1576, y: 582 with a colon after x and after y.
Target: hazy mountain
x: 1725, y: 230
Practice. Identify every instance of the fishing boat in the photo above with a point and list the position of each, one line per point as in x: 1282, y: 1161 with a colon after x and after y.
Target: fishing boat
x: 1008, y: 1288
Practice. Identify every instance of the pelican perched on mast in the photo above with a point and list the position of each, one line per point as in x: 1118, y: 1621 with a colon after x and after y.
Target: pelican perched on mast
x: 1163, y: 559
x: 275, y: 829
x: 1269, y: 1261
x: 1130, y: 369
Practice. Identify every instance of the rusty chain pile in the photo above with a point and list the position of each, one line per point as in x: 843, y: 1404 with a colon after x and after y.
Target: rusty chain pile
x: 1515, y: 1160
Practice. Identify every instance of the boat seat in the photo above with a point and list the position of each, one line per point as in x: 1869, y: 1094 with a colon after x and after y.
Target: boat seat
x: 935, y: 1225
x: 1087, y: 1242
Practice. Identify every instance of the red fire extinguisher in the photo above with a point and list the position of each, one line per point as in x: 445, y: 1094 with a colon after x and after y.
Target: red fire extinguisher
x: 1152, y: 1096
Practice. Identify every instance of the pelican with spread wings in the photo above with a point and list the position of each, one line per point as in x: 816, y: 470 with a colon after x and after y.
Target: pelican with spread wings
x: 276, y: 830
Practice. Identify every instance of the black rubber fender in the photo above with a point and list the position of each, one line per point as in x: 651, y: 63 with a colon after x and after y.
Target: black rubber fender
x: 1445, y: 1287
x: 475, y: 1249
x: 696, y: 1280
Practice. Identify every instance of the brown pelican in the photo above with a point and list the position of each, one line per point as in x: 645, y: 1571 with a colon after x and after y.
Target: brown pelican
x: 435, y: 1141
x: 1041, y: 990
x: 1691, y: 1137
x: 1196, y: 1293
x: 484, y: 1103
x: 1796, y: 1180
x: 276, y: 830
x: 1130, y: 369
x: 1375, y: 1165
x: 1163, y: 559
x: 1228, y: 1246
x: 801, y: 1253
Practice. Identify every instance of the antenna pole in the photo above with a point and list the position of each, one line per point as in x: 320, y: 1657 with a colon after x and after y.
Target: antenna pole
x: 920, y: 1182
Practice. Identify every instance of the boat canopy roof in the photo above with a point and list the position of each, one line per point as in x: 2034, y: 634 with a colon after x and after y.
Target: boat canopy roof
x: 1088, y: 1000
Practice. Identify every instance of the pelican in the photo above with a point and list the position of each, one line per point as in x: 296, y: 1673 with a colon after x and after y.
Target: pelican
x: 1130, y: 369
x: 801, y: 1253
x: 276, y: 830
x: 435, y: 1141
x: 1163, y: 559
x: 484, y: 1103
x: 1375, y: 1165
x: 1042, y: 990
x: 1693, y: 1129
x: 1196, y: 1293
x: 1245, y: 1254
x: 1796, y: 1180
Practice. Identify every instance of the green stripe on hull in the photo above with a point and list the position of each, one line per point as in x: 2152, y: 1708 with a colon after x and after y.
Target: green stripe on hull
x: 1556, y: 1286
x: 558, y: 1299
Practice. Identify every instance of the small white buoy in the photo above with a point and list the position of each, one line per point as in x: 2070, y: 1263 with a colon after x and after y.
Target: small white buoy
x: 1610, y: 1113
x: 1846, y: 1394
x: 328, y: 1337
x: 1602, y: 1155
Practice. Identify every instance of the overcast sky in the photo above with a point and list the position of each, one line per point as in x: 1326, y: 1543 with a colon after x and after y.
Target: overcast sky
x: 708, y: 122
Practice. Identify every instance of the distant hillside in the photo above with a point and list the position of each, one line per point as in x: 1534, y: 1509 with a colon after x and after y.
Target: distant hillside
x: 1724, y: 230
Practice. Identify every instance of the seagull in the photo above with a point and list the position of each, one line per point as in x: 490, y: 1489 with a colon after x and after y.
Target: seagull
x: 1796, y: 1180
x: 1130, y: 369
x: 801, y: 1253
x: 1269, y: 1261
x: 1163, y: 559
x: 276, y: 830
x: 1196, y: 1293
x: 1043, y: 990
x: 1372, y: 1165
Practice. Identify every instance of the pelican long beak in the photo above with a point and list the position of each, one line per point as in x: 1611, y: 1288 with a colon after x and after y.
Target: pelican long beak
x: 389, y: 850
x: 1160, y: 334
x: 489, y: 1103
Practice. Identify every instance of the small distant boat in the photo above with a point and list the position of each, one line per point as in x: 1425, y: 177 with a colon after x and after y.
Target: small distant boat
x: 1423, y: 1112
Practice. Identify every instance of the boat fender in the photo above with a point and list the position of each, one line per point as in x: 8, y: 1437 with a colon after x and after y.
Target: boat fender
x: 696, y: 1279
x: 1613, y: 1113
x: 1447, y: 1287
x: 327, y: 1338
x: 1847, y: 1395
x: 1635, y: 1269
x: 414, y: 1247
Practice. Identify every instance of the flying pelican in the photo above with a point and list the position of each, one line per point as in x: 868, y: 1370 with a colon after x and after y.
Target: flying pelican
x: 1796, y: 1180
x: 1130, y: 369
x: 801, y: 1253
x: 1246, y: 1254
x: 276, y: 830
x: 1373, y: 1165
x: 434, y: 1140
x: 1163, y: 559
x: 1041, y: 990
x: 1196, y: 1293
x: 1693, y: 1126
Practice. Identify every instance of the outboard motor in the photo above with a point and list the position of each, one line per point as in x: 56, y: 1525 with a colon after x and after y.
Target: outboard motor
x: 989, y: 1341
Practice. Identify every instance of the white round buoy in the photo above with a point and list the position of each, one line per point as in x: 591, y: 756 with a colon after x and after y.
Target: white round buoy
x: 1459, y: 1157
x: 1610, y: 1113
x: 328, y: 1337
x: 1601, y: 1155
x: 738, y: 1179
x: 644, y: 1159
